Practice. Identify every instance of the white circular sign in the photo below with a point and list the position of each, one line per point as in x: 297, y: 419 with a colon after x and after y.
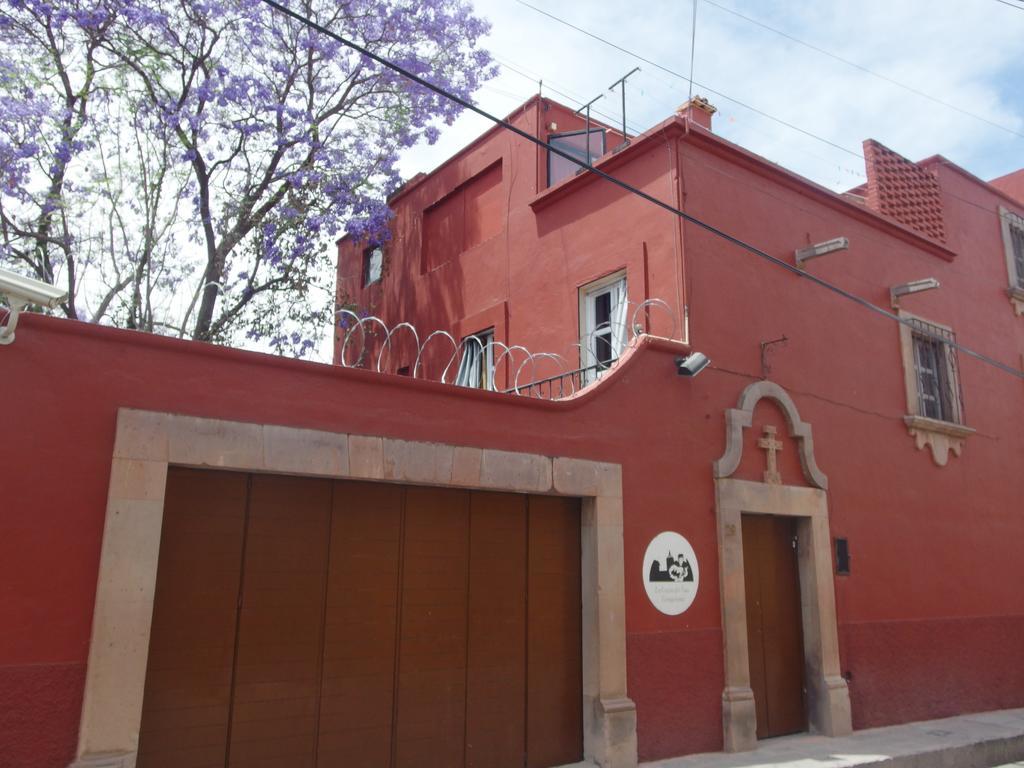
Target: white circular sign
x: 671, y: 575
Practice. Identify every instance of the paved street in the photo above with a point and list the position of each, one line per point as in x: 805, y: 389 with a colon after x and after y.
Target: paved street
x: 982, y: 740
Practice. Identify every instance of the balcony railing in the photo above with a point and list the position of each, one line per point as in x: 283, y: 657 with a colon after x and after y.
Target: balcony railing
x: 561, y: 385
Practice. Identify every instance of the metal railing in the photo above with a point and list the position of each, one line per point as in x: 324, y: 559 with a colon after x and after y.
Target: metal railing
x: 561, y: 385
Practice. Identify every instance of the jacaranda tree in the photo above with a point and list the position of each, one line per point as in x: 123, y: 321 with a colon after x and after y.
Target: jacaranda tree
x: 184, y: 166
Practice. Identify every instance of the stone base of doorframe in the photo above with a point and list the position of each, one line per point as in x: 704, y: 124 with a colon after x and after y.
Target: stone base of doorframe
x: 739, y: 720
x: 613, y: 744
x: 146, y: 443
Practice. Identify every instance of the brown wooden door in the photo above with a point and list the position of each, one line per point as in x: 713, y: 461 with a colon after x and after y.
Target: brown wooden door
x: 555, y: 667
x: 496, y: 663
x: 301, y: 622
x: 774, y: 628
x: 360, y: 626
x: 430, y: 725
x: 280, y: 624
x: 187, y: 700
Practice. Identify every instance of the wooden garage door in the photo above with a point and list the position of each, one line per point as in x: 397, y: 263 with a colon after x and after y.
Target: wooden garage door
x: 302, y: 622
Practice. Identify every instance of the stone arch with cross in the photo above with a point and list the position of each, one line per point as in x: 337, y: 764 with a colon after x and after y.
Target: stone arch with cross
x: 828, y: 699
x: 742, y: 417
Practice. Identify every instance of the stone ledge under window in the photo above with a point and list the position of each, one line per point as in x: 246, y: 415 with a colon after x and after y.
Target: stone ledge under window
x: 941, y: 436
x: 1017, y: 299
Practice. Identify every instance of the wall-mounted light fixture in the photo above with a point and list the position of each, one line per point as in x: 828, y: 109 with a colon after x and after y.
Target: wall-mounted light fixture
x: 20, y: 292
x: 914, y: 286
x: 813, y: 251
x: 692, y: 364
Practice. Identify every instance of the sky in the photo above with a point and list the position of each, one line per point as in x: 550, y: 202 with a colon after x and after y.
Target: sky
x: 967, y: 53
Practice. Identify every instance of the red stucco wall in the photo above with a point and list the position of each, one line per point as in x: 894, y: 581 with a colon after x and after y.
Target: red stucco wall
x: 931, y: 619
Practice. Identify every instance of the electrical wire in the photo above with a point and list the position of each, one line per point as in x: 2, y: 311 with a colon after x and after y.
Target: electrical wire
x: 864, y: 69
x: 681, y: 76
x: 1012, y: 5
x: 743, y: 245
x: 684, y: 78
x: 550, y: 85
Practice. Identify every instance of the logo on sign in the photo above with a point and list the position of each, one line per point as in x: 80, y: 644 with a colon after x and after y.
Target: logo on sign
x: 671, y: 575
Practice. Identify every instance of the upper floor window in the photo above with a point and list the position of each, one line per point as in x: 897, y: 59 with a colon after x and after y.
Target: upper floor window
x: 935, y: 407
x: 576, y: 144
x: 1013, y: 243
x: 476, y: 369
x: 373, y: 265
x: 603, y: 308
x: 935, y: 370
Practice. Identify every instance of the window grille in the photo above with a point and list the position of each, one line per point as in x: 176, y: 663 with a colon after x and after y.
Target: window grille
x: 938, y: 378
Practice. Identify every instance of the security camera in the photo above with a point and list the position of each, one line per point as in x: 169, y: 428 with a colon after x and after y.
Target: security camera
x: 20, y: 292
x: 24, y: 290
x: 693, y: 364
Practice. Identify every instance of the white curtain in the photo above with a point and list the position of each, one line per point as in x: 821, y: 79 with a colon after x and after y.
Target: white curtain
x: 469, y: 367
x: 620, y: 309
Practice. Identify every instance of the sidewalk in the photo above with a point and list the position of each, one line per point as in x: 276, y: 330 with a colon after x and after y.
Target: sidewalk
x: 982, y: 740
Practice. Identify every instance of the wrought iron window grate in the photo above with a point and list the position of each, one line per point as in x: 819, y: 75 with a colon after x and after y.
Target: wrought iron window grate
x: 937, y: 373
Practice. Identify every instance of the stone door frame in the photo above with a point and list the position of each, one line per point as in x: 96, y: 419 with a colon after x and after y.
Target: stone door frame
x: 147, y: 443
x: 828, y: 700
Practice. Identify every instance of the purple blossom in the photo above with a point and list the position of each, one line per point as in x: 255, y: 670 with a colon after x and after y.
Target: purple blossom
x: 247, y: 97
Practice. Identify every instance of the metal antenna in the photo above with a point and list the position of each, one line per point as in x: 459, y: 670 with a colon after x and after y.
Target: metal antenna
x: 587, y: 108
x: 622, y: 81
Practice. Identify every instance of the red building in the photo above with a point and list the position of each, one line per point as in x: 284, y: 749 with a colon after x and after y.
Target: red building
x: 505, y: 242
x: 216, y: 557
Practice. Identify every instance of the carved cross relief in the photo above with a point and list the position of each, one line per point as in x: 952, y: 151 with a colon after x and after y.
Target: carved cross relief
x: 771, y: 447
x: 742, y: 417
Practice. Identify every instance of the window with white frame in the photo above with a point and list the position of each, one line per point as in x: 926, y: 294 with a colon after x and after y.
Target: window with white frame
x: 1013, y: 244
x: 476, y: 368
x: 603, y: 308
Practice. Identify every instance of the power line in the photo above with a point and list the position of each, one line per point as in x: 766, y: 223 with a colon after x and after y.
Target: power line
x: 864, y: 69
x: 1012, y: 5
x: 549, y: 85
x: 681, y: 76
x: 742, y: 244
x: 724, y: 96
